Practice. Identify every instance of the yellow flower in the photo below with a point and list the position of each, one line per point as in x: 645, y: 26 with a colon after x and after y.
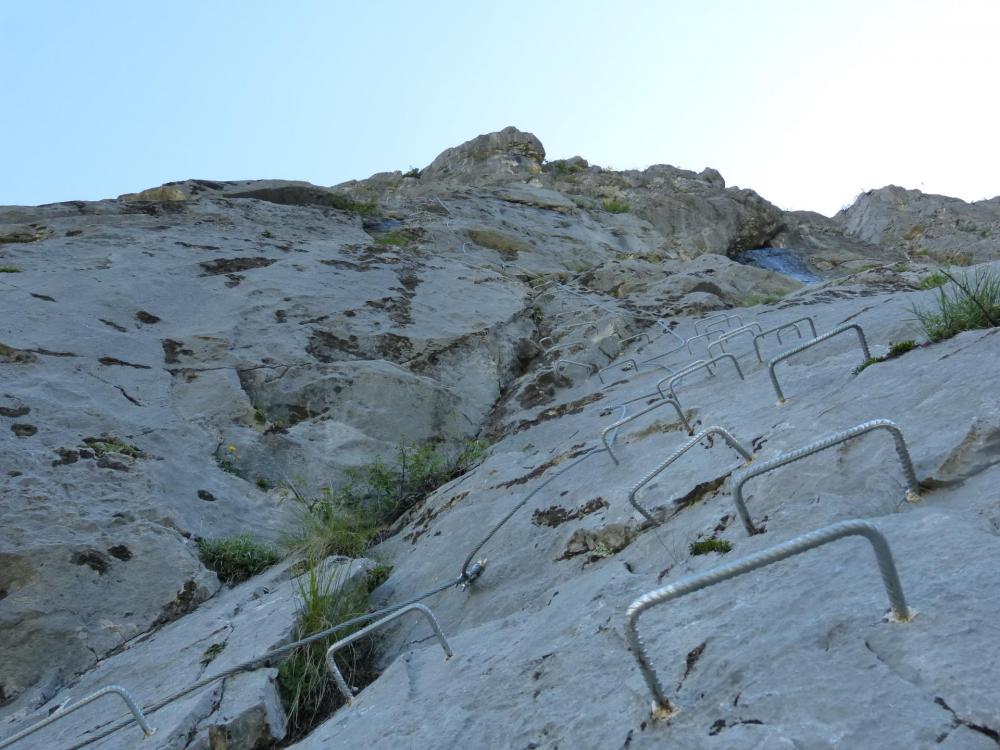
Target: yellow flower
x: 231, y: 449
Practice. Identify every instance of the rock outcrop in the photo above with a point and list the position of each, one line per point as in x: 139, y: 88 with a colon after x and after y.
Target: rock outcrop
x: 173, y: 358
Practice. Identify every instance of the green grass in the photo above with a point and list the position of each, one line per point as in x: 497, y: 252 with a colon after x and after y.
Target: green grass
x: 343, y: 522
x: 259, y: 416
x: 969, y: 302
x: 392, y: 238
x: 895, y: 350
x: 932, y: 281
x: 355, y: 207
x: 9, y: 269
x: 307, y: 690
x: 763, y: 299
x: 704, y: 546
x: 616, y: 205
x: 236, y: 558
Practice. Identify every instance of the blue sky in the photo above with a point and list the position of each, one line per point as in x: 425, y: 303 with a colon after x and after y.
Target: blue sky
x: 806, y: 102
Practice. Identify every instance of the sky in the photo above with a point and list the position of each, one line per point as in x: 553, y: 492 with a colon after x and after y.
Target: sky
x: 807, y: 102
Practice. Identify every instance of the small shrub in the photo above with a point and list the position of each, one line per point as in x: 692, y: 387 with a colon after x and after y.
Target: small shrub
x: 932, y: 281
x: 237, y: 558
x: 259, y: 416
x: 616, y: 205
x: 378, y: 575
x: 266, y: 234
x: 9, y: 269
x: 968, y: 303
x: 304, y: 683
x: 704, y: 546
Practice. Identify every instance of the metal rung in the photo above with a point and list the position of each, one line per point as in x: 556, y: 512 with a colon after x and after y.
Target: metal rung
x: 813, y: 342
x: 700, y: 336
x: 588, y: 368
x: 733, y: 442
x: 726, y: 315
x: 620, y: 363
x: 116, y: 689
x: 662, y: 707
x: 721, y: 341
x: 779, y: 329
x: 331, y: 662
x: 674, y: 379
x: 609, y: 442
x: 828, y: 442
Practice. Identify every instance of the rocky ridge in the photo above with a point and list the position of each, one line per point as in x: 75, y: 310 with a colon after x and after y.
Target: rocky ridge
x: 174, y: 355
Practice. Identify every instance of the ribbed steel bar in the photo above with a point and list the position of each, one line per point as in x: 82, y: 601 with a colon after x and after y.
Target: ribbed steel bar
x: 619, y: 363
x: 725, y: 315
x: 614, y: 427
x: 829, y: 334
x: 57, y: 715
x: 721, y: 341
x: 733, y: 442
x: 779, y: 329
x: 700, y: 336
x: 662, y: 707
x: 741, y: 478
x: 633, y: 338
x: 674, y: 379
x: 331, y: 652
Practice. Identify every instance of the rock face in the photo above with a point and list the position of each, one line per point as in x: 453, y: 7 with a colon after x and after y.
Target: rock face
x: 924, y: 226
x: 168, y: 362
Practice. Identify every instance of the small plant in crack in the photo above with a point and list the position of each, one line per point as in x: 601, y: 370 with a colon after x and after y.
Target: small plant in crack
x: 211, y: 652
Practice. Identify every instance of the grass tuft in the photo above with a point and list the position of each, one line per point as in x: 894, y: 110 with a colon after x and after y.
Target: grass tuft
x: 343, y: 522
x: 616, y: 205
x: 932, y: 281
x: 704, y: 546
x: 968, y: 303
x: 307, y: 690
x: 236, y: 558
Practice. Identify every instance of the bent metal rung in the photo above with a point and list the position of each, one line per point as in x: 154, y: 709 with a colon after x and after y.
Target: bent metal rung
x: 608, y: 442
x: 662, y: 707
x: 672, y: 380
x: 331, y: 661
x: 820, y: 445
x: 813, y: 342
x: 779, y: 329
x: 110, y: 689
x: 715, y: 430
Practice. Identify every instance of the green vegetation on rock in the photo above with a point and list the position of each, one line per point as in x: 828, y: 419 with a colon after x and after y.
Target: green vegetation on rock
x: 704, y: 546
x: 616, y: 205
x: 236, y: 558
x: 968, y: 303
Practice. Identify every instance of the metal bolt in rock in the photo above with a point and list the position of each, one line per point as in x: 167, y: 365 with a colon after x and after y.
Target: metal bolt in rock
x: 55, y: 716
x: 733, y: 442
x: 674, y: 379
x: 662, y: 707
x: 779, y: 329
x: 813, y: 342
x: 614, y: 427
x: 820, y: 445
x: 331, y: 662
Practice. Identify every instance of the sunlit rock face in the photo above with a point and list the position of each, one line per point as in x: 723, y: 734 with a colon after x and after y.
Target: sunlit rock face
x: 171, y: 359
